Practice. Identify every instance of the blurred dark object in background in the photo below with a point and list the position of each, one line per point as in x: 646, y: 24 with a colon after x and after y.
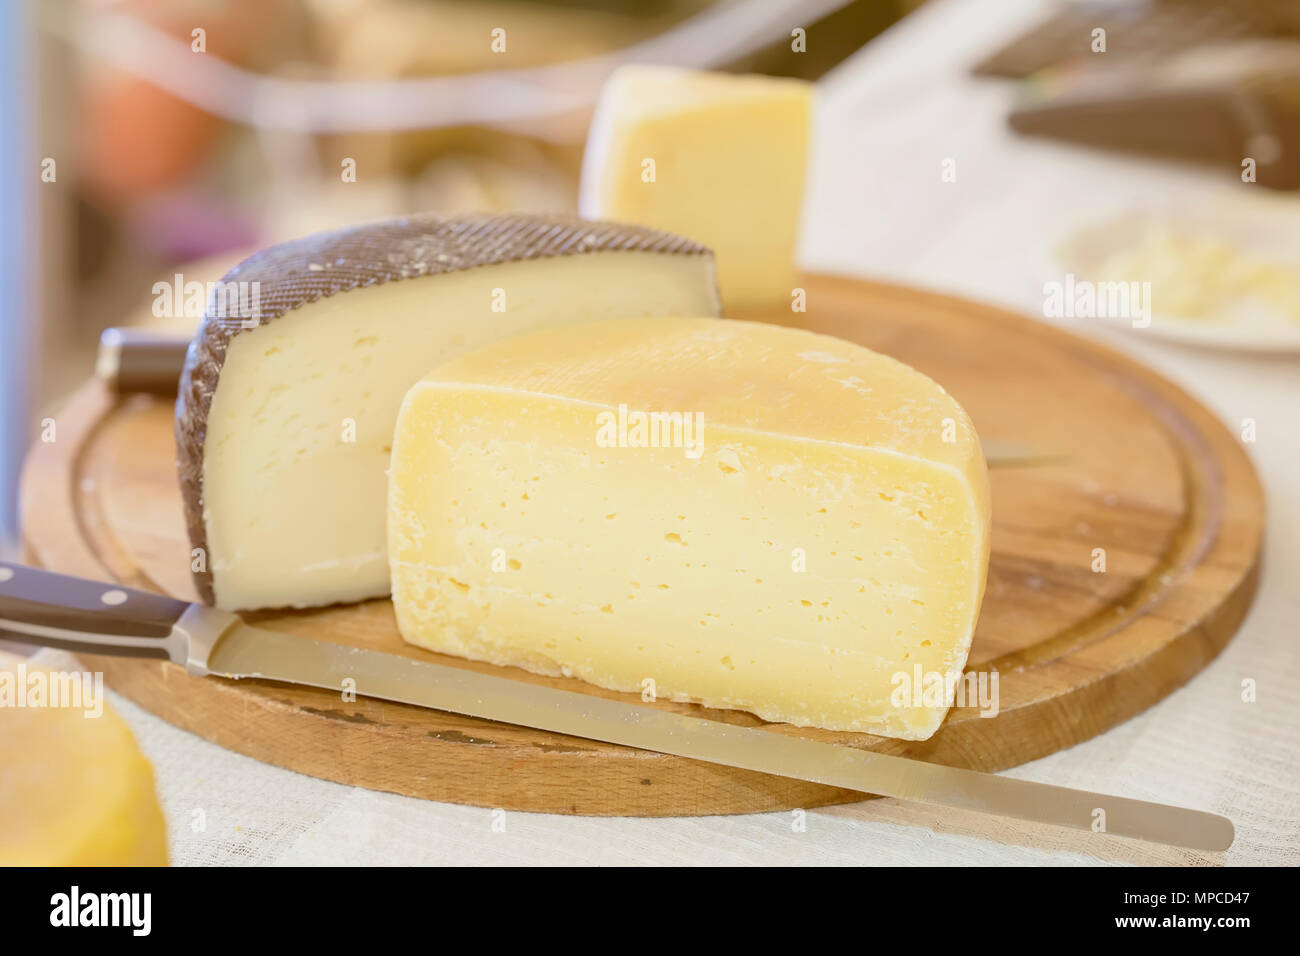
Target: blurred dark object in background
x: 1226, y: 104
x: 1210, y: 81
x: 1145, y: 29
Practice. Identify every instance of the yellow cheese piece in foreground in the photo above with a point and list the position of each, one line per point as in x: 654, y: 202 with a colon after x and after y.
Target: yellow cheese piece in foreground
x: 713, y: 156
x: 813, y: 524
x: 74, y: 789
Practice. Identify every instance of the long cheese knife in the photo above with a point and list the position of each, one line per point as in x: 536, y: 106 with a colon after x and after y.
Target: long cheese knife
x: 102, y: 618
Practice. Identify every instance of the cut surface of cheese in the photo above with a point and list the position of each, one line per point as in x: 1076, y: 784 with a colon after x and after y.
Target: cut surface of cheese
x: 284, y: 429
x: 74, y: 789
x: 812, y: 524
x: 714, y: 156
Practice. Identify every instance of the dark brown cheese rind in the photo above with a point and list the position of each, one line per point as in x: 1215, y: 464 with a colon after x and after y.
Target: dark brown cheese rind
x: 302, y: 271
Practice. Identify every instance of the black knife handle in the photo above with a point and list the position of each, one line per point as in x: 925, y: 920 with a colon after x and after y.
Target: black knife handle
x: 91, y: 616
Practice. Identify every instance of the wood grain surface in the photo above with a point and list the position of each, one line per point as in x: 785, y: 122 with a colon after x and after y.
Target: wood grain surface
x: 1145, y: 473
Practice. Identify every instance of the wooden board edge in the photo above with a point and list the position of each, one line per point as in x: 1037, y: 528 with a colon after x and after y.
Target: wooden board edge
x: 1169, y: 665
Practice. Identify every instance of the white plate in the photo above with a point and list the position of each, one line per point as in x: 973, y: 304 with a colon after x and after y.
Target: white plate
x: 1261, y: 228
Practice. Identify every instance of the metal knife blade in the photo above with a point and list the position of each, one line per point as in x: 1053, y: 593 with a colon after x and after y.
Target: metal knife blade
x: 254, y: 652
x: 1010, y: 454
x: 102, y: 618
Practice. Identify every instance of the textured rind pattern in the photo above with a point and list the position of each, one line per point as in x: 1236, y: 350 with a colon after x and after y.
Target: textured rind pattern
x: 302, y: 271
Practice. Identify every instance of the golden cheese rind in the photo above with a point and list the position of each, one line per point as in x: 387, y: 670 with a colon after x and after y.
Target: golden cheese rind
x: 827, y: 534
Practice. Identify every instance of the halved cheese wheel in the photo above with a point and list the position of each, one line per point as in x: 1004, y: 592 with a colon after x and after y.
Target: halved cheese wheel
x: 739, y: 514
x: 292, y: 385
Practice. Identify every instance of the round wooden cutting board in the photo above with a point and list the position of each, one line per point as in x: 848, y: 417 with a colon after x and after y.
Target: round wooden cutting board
x: 1141, y: 471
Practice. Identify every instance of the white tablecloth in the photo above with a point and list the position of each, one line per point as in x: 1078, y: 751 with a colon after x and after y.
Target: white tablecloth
x: 877, y: 207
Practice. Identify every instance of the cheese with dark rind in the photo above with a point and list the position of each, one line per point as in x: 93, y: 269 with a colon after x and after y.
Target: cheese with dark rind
x: 642, y: 272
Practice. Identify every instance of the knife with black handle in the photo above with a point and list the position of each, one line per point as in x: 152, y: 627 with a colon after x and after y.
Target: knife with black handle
x: 100, y: 618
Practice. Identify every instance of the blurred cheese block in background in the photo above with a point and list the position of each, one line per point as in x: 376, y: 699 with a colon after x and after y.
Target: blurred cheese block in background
x: 283, y: 429
x: 716, y: 157
x: 808, y: 521
x: 74, y: 789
